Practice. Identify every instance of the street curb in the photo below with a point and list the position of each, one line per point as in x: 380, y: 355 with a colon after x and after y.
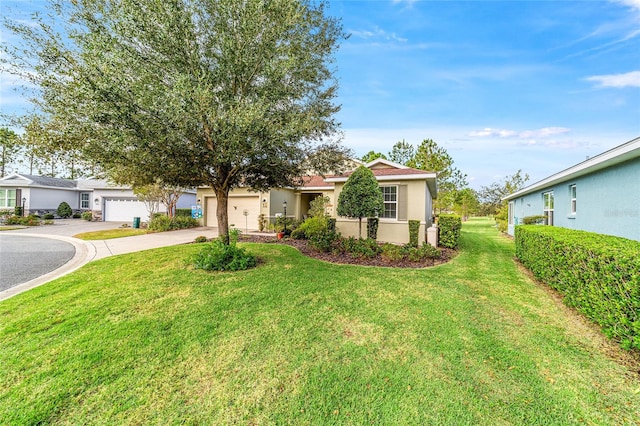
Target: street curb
x: 84, y: 253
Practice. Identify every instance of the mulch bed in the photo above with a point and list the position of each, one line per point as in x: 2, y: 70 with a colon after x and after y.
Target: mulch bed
x: 304, y: 247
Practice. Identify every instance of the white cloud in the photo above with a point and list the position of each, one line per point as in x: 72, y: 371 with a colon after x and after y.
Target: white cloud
x: 378, y: 33
x: 488, y: 132
x: 629, y: 79
x: 634, y: 4
x: 525, y: 134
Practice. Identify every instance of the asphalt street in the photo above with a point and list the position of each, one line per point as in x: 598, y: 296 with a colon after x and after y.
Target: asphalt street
x: 23, y: 258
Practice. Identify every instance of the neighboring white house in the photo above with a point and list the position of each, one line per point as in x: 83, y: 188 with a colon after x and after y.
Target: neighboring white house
x: 107, y: 201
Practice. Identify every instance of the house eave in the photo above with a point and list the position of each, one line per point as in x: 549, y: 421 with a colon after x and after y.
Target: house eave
x: 425, y: 176
x: 617, y: 155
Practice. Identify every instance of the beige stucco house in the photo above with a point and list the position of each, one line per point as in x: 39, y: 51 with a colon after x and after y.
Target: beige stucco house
x: 408, y: 195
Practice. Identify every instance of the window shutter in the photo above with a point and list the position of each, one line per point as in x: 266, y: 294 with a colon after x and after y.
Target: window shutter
x: 402, y: 202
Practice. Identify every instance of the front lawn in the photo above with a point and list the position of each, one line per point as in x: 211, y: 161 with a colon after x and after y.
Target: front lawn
x: 110, y: 234
x: 142, y: 339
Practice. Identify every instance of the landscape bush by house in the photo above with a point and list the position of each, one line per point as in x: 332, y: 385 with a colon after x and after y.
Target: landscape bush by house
x: 533, y: 220
x: 598, y: 274
x: 64, y: 210
x: 88, y: 216
x: 161, y: 222
x: 450, y: 225
x: 414, y: 230
x: 183, y: 212
x: 31, y: 220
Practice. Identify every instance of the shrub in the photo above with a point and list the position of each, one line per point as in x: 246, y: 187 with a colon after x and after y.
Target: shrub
x: 414, y: 231
x: 201, y: 239
x: 64, y: 210
x: 17, y: 211
x: 599, y: 275
x: 359, y: 248
x: 183, y: 213
x: 48, y: 216
x: 533, y: 220
x: 161, y: 222
x: 415, y: 254
x: 323, y: 240
x: 88, y: 216
x: 449, y: 225
x: 48, y: 222
x: 331, y: 224
x: 218, y: 256
x: 372, y: 227
x: 31, y: 220
x: 393, y: 252
x: 263, y: 223
x: 77, y: 215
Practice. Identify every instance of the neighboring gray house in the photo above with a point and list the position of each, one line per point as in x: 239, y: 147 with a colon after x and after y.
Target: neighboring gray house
x: 108, y: 202
x: 601, y: 194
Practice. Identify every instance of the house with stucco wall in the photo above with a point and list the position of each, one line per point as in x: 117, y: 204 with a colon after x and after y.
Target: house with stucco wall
x: 601, y: 194
x: 408, y: 195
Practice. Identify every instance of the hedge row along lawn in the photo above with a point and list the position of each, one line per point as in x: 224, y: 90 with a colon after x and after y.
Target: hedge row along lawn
x: 144, y: 339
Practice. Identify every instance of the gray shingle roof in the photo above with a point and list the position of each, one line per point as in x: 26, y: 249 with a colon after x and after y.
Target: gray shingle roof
x: 51, y: 182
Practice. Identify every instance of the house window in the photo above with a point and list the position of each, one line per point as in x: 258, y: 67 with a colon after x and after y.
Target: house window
x: 572, y: 190
x: 511, y: 206
x: 390, y: 195
x: 7, y: 198
x: 548, y: 208
x: 84, y: 200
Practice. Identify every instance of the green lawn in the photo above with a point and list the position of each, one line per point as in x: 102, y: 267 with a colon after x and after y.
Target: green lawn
x: 142, y: 339
x: 110, y: 234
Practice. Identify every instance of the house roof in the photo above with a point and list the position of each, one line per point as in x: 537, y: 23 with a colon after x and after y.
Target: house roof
x: 620, y: 154
x: 385, y: 170
x: 313, y: 182
x: 17, y: 179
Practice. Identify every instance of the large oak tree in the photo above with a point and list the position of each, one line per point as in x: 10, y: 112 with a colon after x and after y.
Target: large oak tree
x: 189, y: 92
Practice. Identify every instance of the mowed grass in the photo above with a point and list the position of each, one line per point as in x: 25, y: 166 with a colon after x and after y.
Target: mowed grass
x: 109, y: 234
x: 144, y: 339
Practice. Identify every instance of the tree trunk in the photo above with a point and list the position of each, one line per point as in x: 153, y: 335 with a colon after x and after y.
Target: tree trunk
x: 222, y: 198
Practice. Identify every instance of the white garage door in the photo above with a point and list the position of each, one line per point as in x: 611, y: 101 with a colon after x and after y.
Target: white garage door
x: 124, y: 210
x: 237, y: 207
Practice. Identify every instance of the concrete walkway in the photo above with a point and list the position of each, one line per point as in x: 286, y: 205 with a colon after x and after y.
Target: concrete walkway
x: 87, y: 251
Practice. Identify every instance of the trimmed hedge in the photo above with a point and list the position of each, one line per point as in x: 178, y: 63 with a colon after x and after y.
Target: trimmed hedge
x: 414, y: 231
x: 599, y: 275
x: 449, y: 225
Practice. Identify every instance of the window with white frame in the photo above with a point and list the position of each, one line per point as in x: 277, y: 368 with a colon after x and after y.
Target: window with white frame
x: 390, y: 196
x: 511, y: 208
x: 7, y: 198
x: 547, y: 210
x: 573, y: 195
x: 84, y: 200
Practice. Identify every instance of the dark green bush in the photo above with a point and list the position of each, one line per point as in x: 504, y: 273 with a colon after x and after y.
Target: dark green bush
x: 218, y: 256
x: 88, y: 216
x: 48, y: 216
x: 17, y: 211
x: 359, y: 248
x: 183, y: 212
x: 162, y: 222
x: 332, y: 224
x: 415, y: 254
x: 414, y: 231
x: 64, y: 210
x: 372, y: 227
x: 599, y: 275
x: 324, y: 240
x: 76, y: 215
x: 533, y: 220
x: 201, y: 239
x: 449, y: 225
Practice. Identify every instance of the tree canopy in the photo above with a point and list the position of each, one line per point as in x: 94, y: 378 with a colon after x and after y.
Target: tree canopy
x: 196, y: 92
x: 360, y: 197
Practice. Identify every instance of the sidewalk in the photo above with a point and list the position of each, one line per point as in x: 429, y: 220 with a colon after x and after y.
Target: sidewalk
x: 87, y: 251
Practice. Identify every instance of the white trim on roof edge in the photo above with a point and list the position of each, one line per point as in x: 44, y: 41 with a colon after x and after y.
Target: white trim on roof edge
x: 386, y: 162
x: 619, y: 154
x: 387, y: 177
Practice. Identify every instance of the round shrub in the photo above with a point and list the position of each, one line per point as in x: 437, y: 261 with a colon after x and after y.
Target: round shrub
x: 48, y: 216
x: 88, y: 216
x: 64, y: 210
x: 201, y: 239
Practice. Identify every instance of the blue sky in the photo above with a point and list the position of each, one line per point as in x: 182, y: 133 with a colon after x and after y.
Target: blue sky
x: 502, y: 85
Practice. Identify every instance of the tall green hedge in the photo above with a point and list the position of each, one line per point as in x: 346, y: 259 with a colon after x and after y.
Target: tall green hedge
x: 599, y: 275
x: 449, y: 225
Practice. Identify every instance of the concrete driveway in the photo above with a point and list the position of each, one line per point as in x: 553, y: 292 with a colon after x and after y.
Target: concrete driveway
x: 85, y: 251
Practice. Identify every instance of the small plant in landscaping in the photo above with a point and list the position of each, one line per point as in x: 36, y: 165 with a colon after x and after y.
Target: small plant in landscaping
x: 88, y: 216
x: 359, y: 248
x: 414, y: 230
x: 372, y: 227
x: 77, y: 215
x: 263, y: 223
x: 201, y: 239
x: 31, y: 220
x: 64, y: 210
x: 218, y: 256
x: 48, y: 216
